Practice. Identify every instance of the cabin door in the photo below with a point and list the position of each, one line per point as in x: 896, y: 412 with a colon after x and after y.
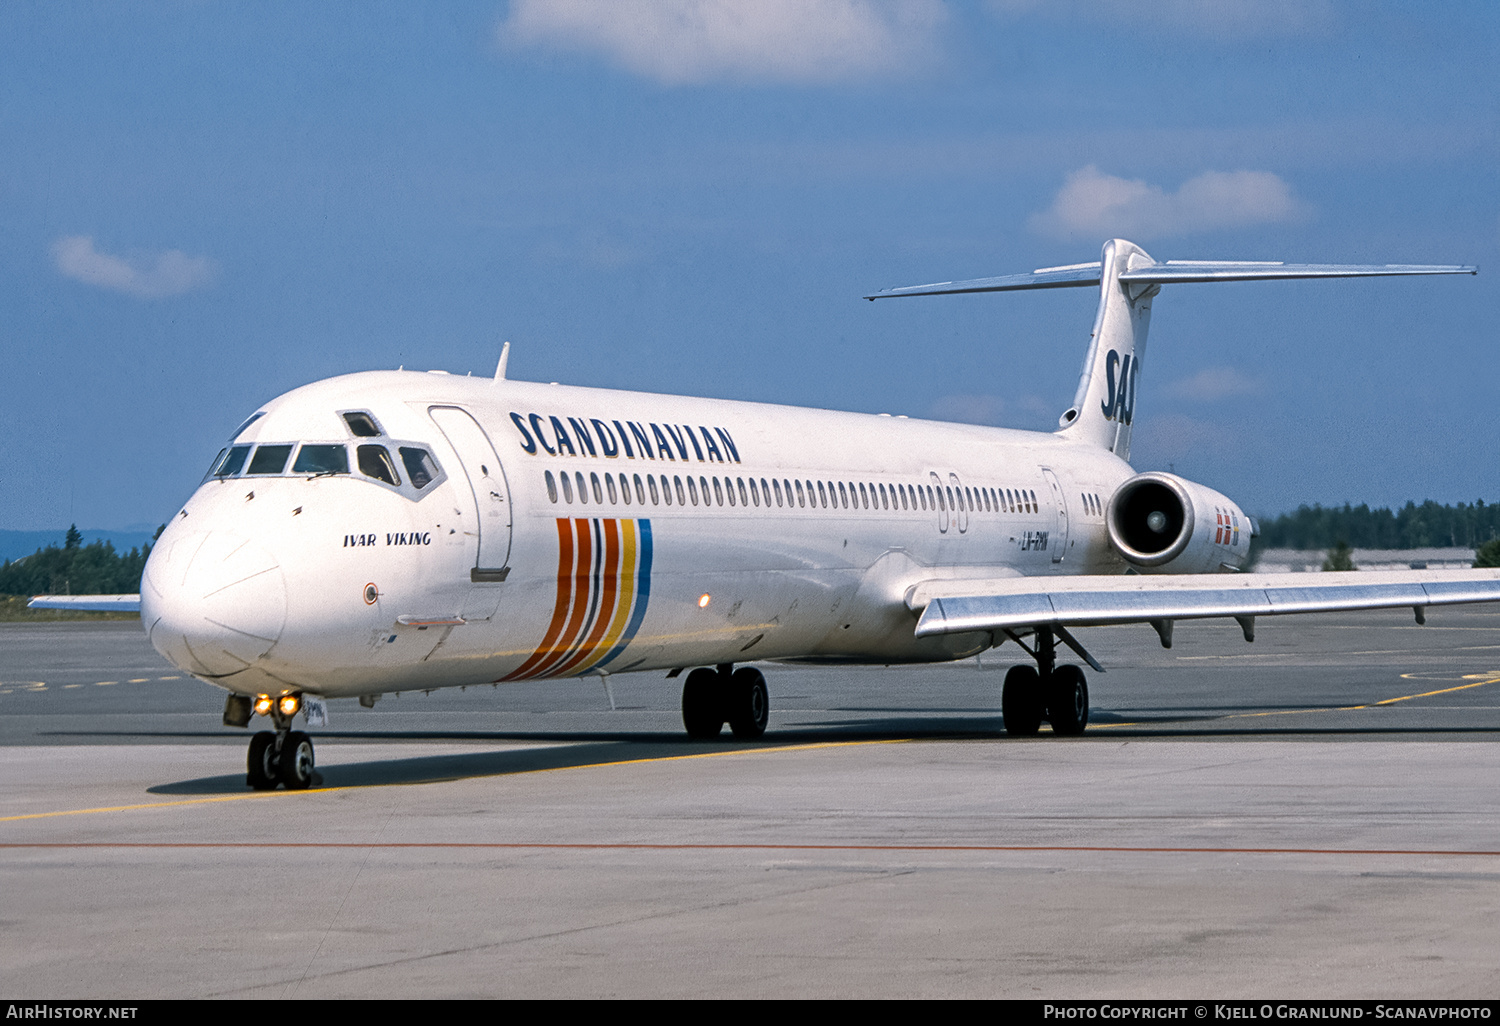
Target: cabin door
x: 1059, y: 544
x: 486, y: 478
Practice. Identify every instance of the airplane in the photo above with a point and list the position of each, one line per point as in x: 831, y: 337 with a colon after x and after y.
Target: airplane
x: 399, y: 530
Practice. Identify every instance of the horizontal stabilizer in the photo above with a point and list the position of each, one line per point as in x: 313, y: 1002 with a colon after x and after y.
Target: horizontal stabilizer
x: 1096, y: 600
x: 1172, y: 272
x: 88, y: 603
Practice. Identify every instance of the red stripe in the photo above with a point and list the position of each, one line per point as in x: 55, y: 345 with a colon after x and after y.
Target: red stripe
x: 583, y: 570
x: 564, y: 598
x: 610, y: 587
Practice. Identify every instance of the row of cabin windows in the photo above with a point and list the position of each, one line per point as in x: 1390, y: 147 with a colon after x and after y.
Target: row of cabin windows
x: 747, y: 492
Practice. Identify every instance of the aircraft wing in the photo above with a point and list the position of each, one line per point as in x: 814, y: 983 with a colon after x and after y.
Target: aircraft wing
x: 950, y: 607
x: 88, y: 603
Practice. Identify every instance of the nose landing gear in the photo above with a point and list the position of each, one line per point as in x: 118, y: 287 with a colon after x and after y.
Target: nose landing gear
x: 283, y: 756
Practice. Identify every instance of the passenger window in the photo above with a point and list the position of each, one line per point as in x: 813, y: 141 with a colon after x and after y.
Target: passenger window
x: 583, y: 488
x: 322, y: 459
x: 421, y: 469
x: 232, y: 462
x: 655, y: 499
x: 776, y: 487
x: 693, y: 490
x: 270, y: 459
x: 567, y: 484
x: 640, y: 490
x: 609, y: 484
x: 551, y: 486
x: 822, y: 495
x: 681, y: 496
x: 362, y: 425
x: 375, y: 462
x: 598, y: 492
x: 719, y: 494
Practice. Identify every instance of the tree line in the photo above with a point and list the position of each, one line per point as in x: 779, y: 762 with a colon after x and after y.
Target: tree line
x: 75, y: 569
x: 1411, y: 527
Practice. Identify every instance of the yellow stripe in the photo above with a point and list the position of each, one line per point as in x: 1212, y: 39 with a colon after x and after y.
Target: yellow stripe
x: 624, y: 596
x: 1332, y: 708
x: 365, y: 787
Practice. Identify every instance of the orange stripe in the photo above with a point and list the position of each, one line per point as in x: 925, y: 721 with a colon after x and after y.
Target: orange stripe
x: 629, y: 568
x: 564, y: 597
x: 610, y: 588
x: 582, y: 586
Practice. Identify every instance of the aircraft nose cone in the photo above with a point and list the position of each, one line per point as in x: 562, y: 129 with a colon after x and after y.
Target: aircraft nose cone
x: 213, y: 603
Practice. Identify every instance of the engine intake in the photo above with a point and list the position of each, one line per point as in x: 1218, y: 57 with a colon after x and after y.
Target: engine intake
x: 1161, y: 523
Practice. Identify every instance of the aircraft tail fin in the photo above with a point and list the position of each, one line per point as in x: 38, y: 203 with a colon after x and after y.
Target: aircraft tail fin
x: 1103, y: 408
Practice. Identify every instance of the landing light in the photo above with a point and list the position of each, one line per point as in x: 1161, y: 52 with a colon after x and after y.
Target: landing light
x: 289, y: 705
x: 704, y: 600
x: 263, y: 705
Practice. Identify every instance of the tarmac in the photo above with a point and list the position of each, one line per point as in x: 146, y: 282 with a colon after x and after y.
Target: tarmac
x: 1314, y: 815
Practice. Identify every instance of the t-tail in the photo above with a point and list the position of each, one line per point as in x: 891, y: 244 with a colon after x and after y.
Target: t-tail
x: 1103, y: 409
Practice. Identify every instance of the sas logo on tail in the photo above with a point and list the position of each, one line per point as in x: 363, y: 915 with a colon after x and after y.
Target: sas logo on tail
x: 603, y: 585
x: 1120, y: 405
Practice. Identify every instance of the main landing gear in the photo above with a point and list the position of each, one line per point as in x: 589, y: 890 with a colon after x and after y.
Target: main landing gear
x: 1057, y: 694
x: 277, y: 757
x: 711, y: 697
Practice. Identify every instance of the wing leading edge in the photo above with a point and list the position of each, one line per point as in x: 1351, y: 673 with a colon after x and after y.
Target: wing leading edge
x: 950, y: 607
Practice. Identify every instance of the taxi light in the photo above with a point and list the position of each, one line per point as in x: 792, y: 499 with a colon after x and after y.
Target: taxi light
x: 289, y: 705
x: 263, y: 705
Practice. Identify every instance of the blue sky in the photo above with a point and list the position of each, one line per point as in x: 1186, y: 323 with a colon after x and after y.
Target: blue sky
x: 203, y: 205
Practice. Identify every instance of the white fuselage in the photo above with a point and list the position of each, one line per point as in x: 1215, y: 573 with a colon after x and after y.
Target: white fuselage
x: 343, y: 584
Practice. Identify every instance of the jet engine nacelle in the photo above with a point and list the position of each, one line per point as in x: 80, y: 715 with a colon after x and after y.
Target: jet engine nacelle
x: 1163, y: 524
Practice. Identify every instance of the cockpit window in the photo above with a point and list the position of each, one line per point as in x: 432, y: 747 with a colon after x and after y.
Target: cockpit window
x: 362, y: 424
x: 269, y: 459
x: 230, y: 462
x: 421, y: 469
x: 375, y: 462
x: 241, y: 429
x: 322, y: 459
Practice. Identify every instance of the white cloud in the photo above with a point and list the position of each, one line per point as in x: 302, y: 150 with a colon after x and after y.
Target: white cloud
x: 146, y: 277
x: 1211, y: 384
x: 1227, y: 20
x: 688, y: 41
x: 1093, y: 205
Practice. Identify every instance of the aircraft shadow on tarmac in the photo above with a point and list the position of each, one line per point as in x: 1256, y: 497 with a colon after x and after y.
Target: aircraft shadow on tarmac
x: 578, y: 750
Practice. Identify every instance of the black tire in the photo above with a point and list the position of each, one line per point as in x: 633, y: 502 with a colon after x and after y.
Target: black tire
x: 1068, y: 701
x: 295, y: 766
x: 262, y: 762
x: 1021, y: 701
x: 749, y: 704
x: 703, y: 704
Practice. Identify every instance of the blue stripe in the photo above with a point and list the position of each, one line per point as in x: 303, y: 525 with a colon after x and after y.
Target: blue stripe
x: 642, y: 593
